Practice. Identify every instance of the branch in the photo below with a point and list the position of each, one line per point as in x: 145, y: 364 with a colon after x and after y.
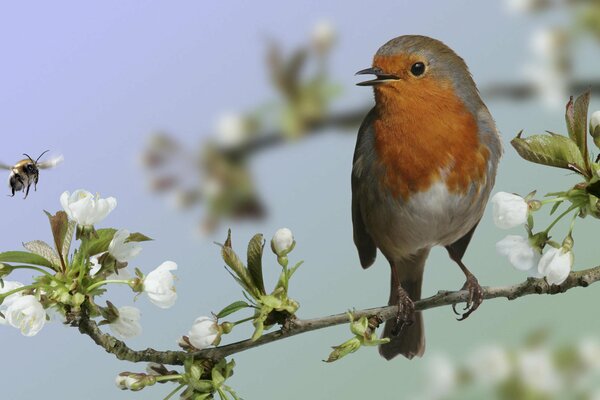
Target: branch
x: 297, y: 326
x: 352, y: 118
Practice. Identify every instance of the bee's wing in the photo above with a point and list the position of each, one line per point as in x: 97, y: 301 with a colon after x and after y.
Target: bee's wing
x: 51, y: 163
x: 4, y: 166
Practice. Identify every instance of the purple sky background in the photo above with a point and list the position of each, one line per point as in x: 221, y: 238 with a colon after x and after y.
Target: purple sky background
x: 91, y: 81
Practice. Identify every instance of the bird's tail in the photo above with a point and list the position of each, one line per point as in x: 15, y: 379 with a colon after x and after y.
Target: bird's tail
x: 410, y: 342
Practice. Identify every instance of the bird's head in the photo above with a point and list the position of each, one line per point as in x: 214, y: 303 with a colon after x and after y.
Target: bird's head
x: 419, y: 67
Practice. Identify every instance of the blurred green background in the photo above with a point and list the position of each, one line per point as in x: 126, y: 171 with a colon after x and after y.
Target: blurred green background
x: 92, y: 81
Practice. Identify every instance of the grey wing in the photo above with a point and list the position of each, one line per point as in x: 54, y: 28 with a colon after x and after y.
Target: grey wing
x: 51, y: 163
x: 460, y: 246
x: 5, y: 166
x: 367, y: 250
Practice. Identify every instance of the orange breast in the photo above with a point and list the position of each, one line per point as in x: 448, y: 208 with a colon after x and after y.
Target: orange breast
x: 423, y: 133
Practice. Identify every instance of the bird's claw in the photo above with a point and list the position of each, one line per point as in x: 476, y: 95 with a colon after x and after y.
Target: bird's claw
x: 473, y: 301
x: 406, y: 312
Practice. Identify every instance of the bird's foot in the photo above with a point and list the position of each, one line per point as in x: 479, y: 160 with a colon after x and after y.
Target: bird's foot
x: 474, y: 300
x: 406, y: 312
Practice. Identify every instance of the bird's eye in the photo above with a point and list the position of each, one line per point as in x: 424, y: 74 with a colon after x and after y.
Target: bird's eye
x: 417, y: 69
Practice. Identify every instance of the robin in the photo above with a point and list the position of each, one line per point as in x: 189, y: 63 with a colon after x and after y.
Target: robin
x: 424, y: 165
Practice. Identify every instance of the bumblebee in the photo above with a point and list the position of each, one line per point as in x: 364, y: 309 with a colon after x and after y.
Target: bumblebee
x: 27, y: 172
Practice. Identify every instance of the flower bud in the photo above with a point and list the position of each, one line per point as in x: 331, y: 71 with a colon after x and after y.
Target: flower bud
x: 350, y: 346
x: 227, y: 327
x: 595, y: 122
x: 534, y: 205
x: 282, y: 242
x: 323, y: 36
x: 134, y: 382
x: 232, y: 130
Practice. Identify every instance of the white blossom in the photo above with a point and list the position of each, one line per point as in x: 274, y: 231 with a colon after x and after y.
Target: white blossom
x: 545, y: 43
x: 9, y: 286
x: 489, y: 365
x: 123, y: 251
x: 204, y: 332
x: 521, y: 6
x: 282, y: 241
x: 441, y: 376
x: 85, y: 209
x: 588, y: 350
x: 159, y: 285
x: 537, y: 371
x: 595, y: 120
x: 232, y: 130
x: 127, y: 325
x: 27, y: 314
x: 520, y: 253
x: 212, y: 188
x: 555, y: 265
x: 323, y: 36
x: 510, y: 210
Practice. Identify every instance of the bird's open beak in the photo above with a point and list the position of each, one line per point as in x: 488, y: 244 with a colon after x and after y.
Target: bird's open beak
x: 382, y: 77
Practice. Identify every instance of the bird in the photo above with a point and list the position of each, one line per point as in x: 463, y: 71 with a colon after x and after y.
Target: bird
x: 424, y: 165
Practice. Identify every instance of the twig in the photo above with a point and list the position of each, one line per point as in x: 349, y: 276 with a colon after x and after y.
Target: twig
x: 297, y: 326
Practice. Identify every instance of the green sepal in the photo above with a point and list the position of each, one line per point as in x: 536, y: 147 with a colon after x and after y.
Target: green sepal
x: 555, y: 207
x: 348, y: 347
x: 137, y: 237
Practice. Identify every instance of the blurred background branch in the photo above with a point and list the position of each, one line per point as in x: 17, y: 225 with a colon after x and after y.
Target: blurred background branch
x: 222, y: 180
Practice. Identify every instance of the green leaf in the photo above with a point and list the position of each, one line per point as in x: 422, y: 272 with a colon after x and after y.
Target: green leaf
x: 24, y: 257
x: 552, y: 150
x: 255, y: 253
x: 99, y: 244
x: 233, y: 307
x: 66, y: 248
x: 579, y: 125
x: 570, y: 119
x: 237, y: 266
x: 59, y: 223
x: 138, y: 237
x: 43, y: 249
